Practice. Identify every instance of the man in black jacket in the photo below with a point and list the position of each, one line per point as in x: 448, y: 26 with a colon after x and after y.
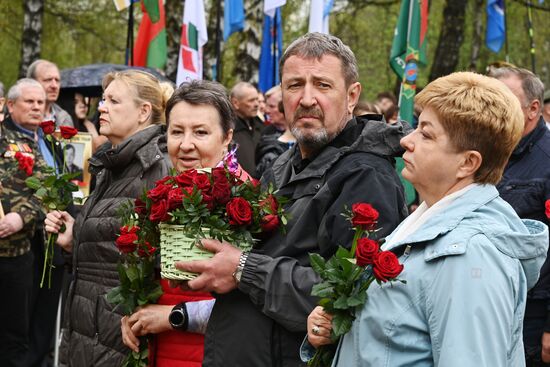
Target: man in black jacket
x: 248, y: 126
x: 525, y: 185
x: 263, y: 296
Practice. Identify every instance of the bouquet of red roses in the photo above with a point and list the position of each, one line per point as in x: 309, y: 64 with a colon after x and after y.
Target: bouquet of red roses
x: 180, y: 210
x: 54, y: 189
x: 347, y: 275
x: 184, y: 208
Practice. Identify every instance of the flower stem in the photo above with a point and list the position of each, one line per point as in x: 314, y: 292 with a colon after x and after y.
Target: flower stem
x: 358, y: 233
x: 48, y: 260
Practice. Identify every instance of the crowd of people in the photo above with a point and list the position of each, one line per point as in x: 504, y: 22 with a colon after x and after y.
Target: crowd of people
x: 477, y: 289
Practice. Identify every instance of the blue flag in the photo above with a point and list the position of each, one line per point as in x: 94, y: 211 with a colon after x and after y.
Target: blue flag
x: 272, y: 48
x: 233, y: 17
x: 496, y: 33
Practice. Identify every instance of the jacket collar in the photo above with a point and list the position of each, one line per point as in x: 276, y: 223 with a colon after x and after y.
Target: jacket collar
x: 136, y: 146
x: 447, y: 220
x: 370, y: 134
x: 527, y: 142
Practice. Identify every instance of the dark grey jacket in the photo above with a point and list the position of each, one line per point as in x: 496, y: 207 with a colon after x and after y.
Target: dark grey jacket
x: 92, y: 336
x: 264, y: 321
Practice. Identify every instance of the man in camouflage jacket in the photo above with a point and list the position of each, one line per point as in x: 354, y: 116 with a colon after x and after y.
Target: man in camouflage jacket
x: 17, y: 227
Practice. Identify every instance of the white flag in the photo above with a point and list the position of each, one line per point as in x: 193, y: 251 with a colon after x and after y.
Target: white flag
x: 193, y: 37
x: 271, y: 5
x: 318, y: 15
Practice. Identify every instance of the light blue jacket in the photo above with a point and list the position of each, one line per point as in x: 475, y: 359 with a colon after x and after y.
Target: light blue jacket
x: 468, y: 271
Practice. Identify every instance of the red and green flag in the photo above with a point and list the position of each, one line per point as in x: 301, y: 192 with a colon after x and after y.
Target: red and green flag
x: 193, y: 37
x: 150, y: 49
x: 407, y: 53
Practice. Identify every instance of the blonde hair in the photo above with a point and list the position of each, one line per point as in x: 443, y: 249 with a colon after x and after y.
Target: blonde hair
x: 146, y: 88
x: 478, y: 113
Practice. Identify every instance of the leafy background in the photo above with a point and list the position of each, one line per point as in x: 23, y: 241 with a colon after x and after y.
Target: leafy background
x: 80, y: 32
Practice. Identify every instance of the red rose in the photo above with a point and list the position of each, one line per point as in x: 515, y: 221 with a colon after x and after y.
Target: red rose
x: 269, y: 223
x: 366, y: 250
x: 159, y: 211
x: 48, y: 127
x: 126, y: 242
x: 185, y: 178
x: 386, y: 266
x: 146, y: 250
x: 175, y: 197
x: 202, y: 182
x: 364, y: 215
x: 208, y: 200
x: 239, y: 212
x: 140, y: 207
x: 221, y: 192
x: 68, y: 132
x: 163, y: 180
x: 547, y: 207
x: 158, y: 193
x: 270, y: 203
x: 219, y: 175
x: 25, y: 163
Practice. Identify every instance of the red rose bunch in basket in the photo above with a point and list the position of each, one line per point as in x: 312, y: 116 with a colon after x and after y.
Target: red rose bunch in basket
x: 212, y: 203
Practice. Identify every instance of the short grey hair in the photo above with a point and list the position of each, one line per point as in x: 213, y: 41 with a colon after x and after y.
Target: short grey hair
x: 204, y: 93
x: 272, y: 91
x: 238, y: 89
x: 31, y: 71
x: 15, y: 90
x: 532, y: 86
x: 1, y: 90
x: 315, y: 46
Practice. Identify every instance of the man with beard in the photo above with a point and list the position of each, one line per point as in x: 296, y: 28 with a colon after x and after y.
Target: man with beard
x: 264, y: 296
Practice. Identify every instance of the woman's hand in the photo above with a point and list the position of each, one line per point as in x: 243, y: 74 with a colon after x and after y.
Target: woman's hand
x: 149, y: 319
x: 53, y: 222
x: 319, y: 325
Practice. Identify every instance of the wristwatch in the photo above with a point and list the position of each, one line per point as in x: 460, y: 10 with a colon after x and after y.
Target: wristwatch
x: 179, y: 319
x: 237, y: 274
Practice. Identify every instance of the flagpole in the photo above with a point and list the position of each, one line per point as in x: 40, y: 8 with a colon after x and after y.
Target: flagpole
x: 274, y: 25
x: 218, y: 69
x: 129, y: 57
x: 411, y: 8
x: 507, y: 55
x: 531, y: 33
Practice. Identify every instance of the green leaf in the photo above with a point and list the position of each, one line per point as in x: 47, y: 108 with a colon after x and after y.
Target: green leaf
x: 317, y: 263
x: 341, y: 323
x: 343, y: 253
x: 41, y: 192
x: 341, y: 303
x: 132, y: 273
x: 114, y: 296
x: 357, y: 299
x: 323, y: 289
x: 33, y: 182
x: 49, y: 181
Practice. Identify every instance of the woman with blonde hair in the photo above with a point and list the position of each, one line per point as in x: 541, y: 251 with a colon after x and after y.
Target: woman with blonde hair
x: 132, y: 118
x: 468, y: 259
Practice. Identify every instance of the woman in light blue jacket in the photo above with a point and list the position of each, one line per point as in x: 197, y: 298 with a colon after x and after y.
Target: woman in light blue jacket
x: 469, y: 260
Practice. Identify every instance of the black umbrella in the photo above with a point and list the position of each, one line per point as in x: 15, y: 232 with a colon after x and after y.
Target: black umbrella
x: 87, y: 79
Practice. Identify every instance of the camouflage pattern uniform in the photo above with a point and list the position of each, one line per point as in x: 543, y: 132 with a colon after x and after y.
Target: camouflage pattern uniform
x: 14, y: 194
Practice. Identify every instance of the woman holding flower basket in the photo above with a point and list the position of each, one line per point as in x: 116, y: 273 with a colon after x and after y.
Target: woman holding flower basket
x: 200, y: 123
x: 132, y: 118
x: 468, y: 259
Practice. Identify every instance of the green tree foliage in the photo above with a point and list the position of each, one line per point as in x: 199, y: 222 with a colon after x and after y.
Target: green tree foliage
x: 80, y: 32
